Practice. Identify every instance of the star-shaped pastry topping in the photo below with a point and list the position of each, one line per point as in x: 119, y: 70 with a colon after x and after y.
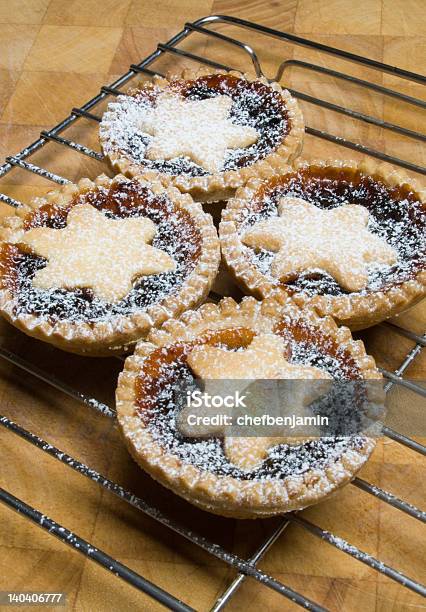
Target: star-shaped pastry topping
x: 96, y: 252
x: 263, y: 359
x: 198, y: 129
x: 306, y: 237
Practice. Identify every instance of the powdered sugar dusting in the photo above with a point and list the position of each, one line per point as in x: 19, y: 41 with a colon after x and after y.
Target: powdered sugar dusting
x: 97, y: 253
x: 176, y: 236
x: 283, y: 460
x: 256, y: 116
x: 197, y: 129
x: 305, y: 237
x: 395, y: 218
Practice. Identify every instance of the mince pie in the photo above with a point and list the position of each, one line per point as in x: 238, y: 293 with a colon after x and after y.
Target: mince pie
x: 207, y: 132
x: 92, y: 267
x: 348, y: 238
x: 213, y: 467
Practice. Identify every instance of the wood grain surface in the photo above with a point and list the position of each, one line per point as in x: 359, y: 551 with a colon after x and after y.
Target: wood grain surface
x: 55, y: 54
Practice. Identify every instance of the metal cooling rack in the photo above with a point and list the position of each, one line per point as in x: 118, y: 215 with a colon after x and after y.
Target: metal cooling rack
x: 244, y: 567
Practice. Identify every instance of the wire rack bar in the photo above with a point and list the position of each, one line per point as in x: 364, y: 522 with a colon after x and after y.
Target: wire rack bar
x: 390, y: 499
x: 405, y: 332
x: 51, y: 176
x: 75, y: 113
x: 415, y: 351
x: 192, y: 56
x: 51, y: 380
x: 359, y: 148
x: 79, y: 112
x: 73, y: 145
x: 404, y: 383
x: 358, y: 554
x: 85, y: 548
x: 396, y: 377
x: 357, y: 115
x: 304, y: 42
x: 143, y: 70
x: 229, y: 558
x: 349, y: 78
x: 223, y: 599
x: 384, y: 496
x: 404, y: 440
x: 112, y: 91
x: 237, y: 43
x: 10, y: 201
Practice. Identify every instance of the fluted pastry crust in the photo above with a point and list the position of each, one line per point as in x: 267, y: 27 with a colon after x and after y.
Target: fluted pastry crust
x: 356, y: 310
x: 227, y: 495
x: 117, y: 333
x: 217, y: 186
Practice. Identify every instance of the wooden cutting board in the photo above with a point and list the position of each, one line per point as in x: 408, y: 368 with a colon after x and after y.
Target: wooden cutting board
x: 55, y: 54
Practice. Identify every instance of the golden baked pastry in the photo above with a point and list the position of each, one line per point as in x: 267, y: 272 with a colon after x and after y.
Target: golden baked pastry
x: 346, y: 238
x: 92, y: 267
x: 207, y: 132
x: 236, y: 475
